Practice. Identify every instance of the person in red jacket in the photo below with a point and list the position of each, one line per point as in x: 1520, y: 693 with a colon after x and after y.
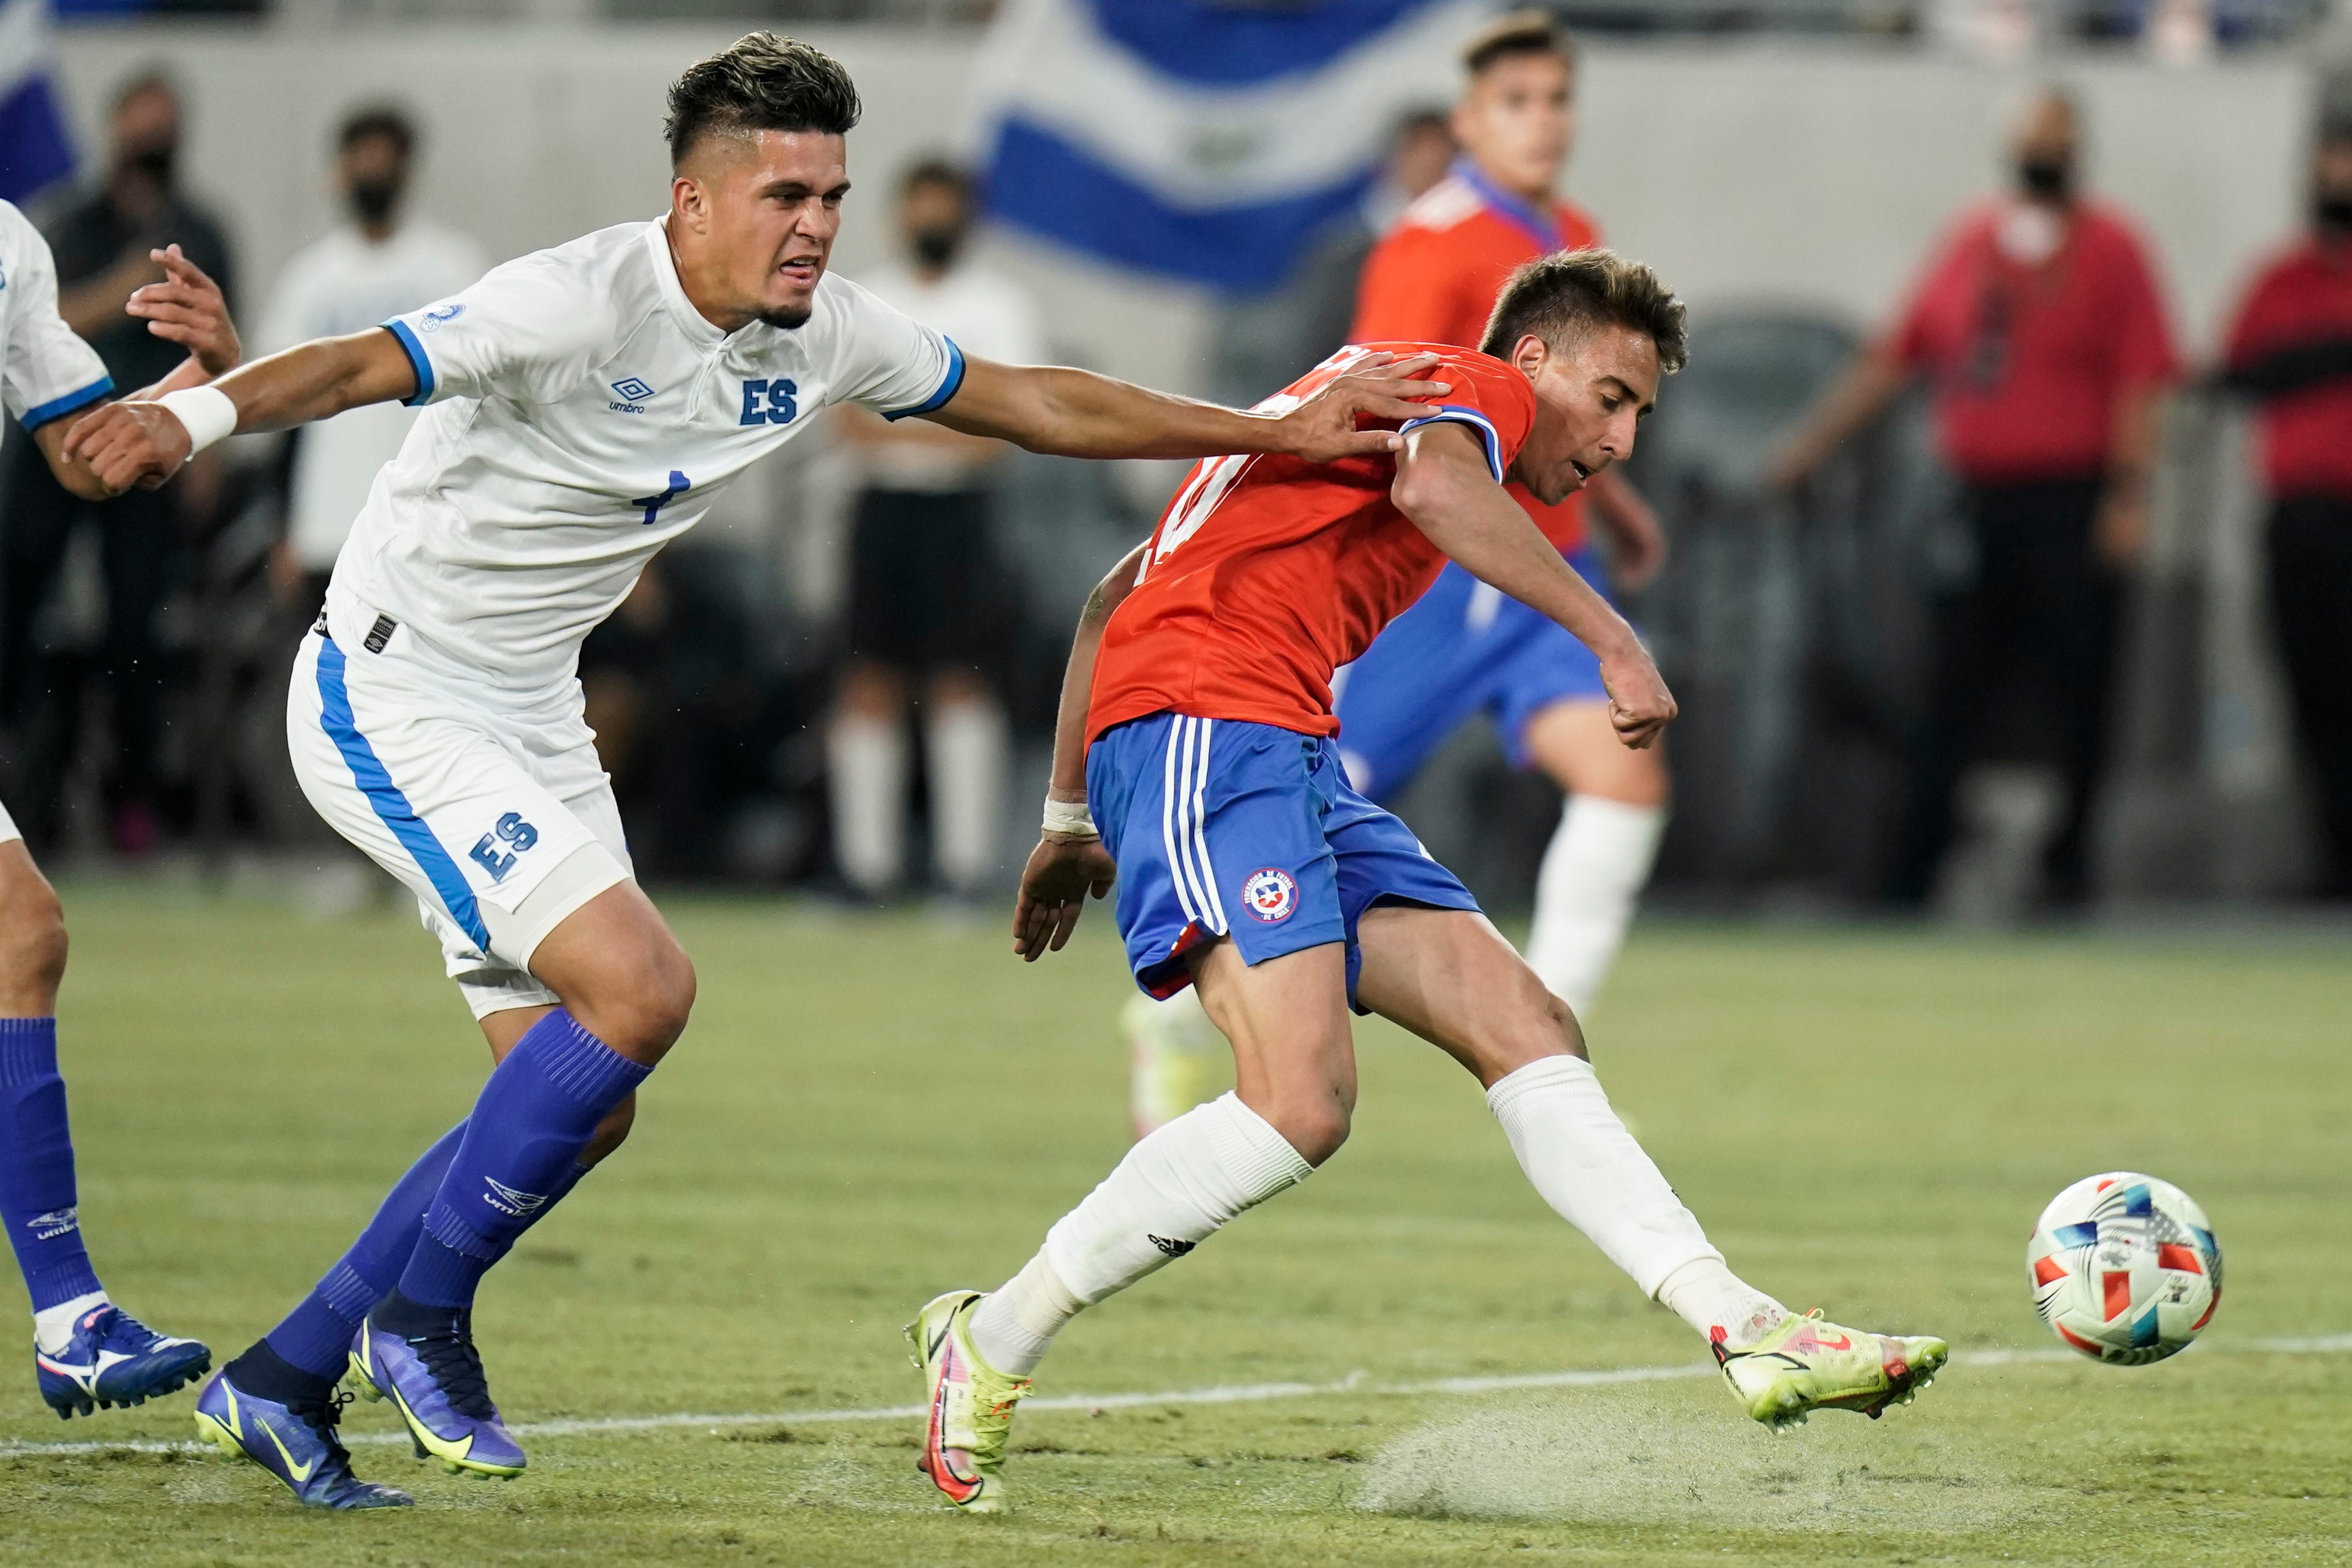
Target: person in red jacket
x: 2291, y: 348
x: 2040, y: 329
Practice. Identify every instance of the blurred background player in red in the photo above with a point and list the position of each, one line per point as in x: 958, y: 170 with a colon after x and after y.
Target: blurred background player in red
x: 2291, y: 348
x: 2040, y: 326
x: 1464, y: 648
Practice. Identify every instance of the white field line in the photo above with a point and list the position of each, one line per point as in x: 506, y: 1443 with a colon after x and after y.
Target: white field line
x: 1240, y: 1394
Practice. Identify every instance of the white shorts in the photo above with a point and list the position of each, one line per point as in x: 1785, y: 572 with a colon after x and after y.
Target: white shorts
x: 494, y: 811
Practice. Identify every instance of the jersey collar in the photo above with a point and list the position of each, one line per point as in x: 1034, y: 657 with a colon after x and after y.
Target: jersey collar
x: 697, y: 327
x: 1537, y: 224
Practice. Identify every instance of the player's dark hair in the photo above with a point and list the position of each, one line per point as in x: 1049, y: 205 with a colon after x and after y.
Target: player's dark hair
x: 935, y: 170
x: 377, y: 119
x: 1560, y: 297
x: 1515, y: 34
x: 759, y: 82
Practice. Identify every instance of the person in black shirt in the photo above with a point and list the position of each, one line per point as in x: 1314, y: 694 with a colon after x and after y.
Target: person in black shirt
x: 101, y: 244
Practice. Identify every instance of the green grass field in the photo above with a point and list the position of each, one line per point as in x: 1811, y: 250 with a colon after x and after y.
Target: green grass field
x: 867, y: 1111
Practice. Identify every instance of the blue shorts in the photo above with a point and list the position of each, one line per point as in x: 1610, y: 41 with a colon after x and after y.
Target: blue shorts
x: 1224, y: 828
x: 1463, y: 648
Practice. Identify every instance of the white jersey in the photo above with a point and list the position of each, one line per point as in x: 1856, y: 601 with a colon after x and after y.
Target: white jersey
x: 345, y: 282
x: 46, y: 371
x: 583, y: 415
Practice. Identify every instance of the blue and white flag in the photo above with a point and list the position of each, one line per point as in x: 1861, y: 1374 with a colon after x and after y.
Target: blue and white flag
x: 1202, y: 139
x: 34, y: 150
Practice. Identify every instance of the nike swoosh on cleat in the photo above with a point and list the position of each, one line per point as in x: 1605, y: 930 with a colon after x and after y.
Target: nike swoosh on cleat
x: 300, y: 1472
x: 1841, y: 1342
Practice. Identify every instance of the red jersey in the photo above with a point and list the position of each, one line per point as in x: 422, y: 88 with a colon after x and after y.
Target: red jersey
x: 1434, y: 277
x: 2302, y: 297
x: 2028, y: 361
x: 1265, y: 574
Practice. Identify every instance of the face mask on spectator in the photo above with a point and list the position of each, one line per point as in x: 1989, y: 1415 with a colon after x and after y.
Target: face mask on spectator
x: 2331, y: 211
x: 155, y: 161
x: 938, y: 246
x: 2049, y: 178
x: 372, y: 199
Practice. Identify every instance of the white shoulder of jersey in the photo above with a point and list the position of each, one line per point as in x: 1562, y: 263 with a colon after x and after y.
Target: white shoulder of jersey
x: 46, y: 370
x: 1449, y: 202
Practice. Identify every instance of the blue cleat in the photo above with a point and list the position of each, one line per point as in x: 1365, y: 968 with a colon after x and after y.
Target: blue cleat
x: 434, y: 1380
x: 114, y: 1359
x: 296, y: 1443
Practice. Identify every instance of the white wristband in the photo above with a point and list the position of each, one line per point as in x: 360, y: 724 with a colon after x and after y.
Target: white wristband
x: 1070, y: 819
x: 208, y: 413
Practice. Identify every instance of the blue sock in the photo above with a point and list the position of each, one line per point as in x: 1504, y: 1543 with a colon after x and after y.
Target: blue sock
x: 521, y: 1150
x: 317, y: 1336
x: 36, y: 1165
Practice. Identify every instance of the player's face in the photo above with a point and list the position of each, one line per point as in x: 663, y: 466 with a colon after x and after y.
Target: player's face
x: 754, y: 218
x: 1588, y: 398
x: 1516, y: 120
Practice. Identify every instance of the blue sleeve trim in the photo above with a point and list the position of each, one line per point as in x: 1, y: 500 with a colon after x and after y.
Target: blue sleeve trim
x: 949, y: 385
x: 1454, y: 413
x: 59, y: 407
x: 422, y: 366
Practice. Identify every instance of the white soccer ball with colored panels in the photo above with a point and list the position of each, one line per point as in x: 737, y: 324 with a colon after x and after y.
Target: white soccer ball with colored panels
x: 2125, y: 1267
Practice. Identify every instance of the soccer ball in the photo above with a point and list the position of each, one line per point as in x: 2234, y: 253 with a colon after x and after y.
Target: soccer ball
x: 2125, y: 1269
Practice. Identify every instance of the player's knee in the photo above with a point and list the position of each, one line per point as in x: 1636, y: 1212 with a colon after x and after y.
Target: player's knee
x: 1314, y: 1124
x: 32, y: 942
x: 640, y: 1005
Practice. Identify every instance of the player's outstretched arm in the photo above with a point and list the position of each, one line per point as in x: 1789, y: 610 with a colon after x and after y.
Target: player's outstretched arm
x: 1445, y: 486
x: 144, y: 442
x: 1078, y: 413
x: 186, y: 307
x: 1069, y: 861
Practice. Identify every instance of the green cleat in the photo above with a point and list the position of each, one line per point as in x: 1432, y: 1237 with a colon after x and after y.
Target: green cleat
x: 970, y: 1405
x: 1806, y: 1365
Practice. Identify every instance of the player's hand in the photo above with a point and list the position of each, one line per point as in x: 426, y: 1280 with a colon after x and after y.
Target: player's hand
x: 188, y: 308
x: 1640, y: 707
x: 127, y: 443
x: 1323, y: 428
x: 1055, y: 884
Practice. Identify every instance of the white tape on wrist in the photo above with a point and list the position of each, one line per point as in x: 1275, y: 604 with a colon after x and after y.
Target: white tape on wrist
x: 1071, y: 820
x: 208, y: 413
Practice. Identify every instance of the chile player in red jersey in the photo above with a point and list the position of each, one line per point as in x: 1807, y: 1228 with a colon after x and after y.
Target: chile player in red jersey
x: 1196, y: 727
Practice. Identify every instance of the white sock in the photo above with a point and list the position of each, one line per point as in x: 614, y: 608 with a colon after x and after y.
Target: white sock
x: 1588, y: 1168
x: 53, y: 1326
x: 1018, y: 1320
x: 1173, y: 1191
x: 1598, y: 862
x: 1712, y: 1300
x: 867, y: 759
x: 969, y: 749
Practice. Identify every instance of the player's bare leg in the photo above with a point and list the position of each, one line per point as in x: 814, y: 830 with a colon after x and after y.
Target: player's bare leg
x: 88, y: 1353
x: 1601, y: 854
x: 1449, y: 977
x: 1294, y: 1066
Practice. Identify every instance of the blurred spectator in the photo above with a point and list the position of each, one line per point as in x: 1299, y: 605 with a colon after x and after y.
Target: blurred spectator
x: 2291, y: 348
x: 378, y: 264
x: 1265, y: 341
x: 101, y: 244
x: 2039, y: 327
x: 929, y: 614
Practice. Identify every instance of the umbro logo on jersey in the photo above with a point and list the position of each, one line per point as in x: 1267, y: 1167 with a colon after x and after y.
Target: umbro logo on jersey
x: 511, y: 1200
x: 54, y: 1223
x: 1173, y: 1249
x: 634, y: 393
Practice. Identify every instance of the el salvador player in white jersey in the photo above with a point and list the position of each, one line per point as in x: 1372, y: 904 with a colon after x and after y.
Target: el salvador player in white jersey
x: 86, y: 1352
x: 586, y: 404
